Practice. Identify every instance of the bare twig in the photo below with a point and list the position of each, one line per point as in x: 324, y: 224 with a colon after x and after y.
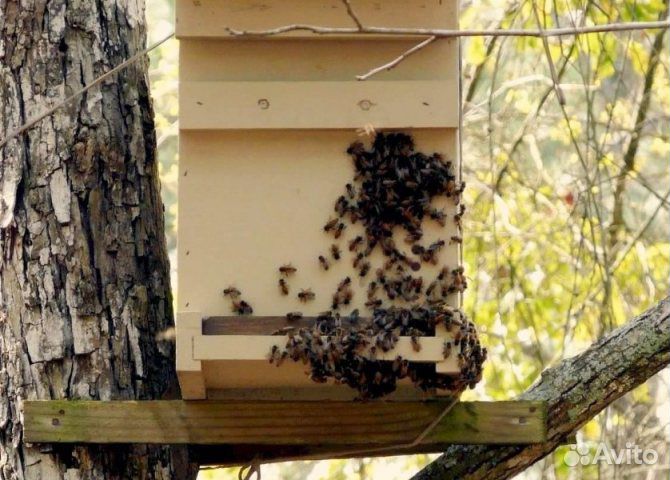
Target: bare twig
x: 390, y: 65
x: 352, y: 14
x: 552, y: 67
x: 446, y: 33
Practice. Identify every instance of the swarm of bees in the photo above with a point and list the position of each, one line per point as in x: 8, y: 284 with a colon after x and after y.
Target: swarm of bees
x: 343, y: 348
x: 393, y: 189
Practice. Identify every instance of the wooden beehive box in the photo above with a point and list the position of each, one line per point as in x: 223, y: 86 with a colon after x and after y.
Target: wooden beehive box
x: 264, y: 128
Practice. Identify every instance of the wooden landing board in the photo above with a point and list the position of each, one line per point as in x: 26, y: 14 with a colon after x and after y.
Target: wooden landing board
x: 282, y: 423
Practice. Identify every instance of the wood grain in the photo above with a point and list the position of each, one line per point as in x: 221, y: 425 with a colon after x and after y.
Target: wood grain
x: 280, y: 423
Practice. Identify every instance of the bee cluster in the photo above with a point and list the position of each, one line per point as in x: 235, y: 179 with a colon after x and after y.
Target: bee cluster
x: 394, y: 187
x: 393, y: 190
x: 345, y: 349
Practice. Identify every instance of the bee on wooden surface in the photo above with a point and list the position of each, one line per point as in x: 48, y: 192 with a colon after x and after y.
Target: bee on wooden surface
x: 293, y: 316
x: 339, y: 229
x: 231, y: 292
x: 306, y: 295
x: 341, y: 206
x: 365, y: 268
x: 458, y: 218
x: 456, y: 239
x: 287, y: 270
x: 381, y: 276
x: 446, y: 350
x: 284, y: 331
x: 283, y: 286
x: 376, y: 303
x: 416, y: 345
x: 372, y: 290
x: 330, y: 225
x: 347, y: 296
x: 358, y: 259
x: 439, y: 216
x: 414, y: 236
x: 431, y: 288
x: 355, y: 243
x: 346, y: 281
x: 335, y: 252
x: 351, y: 191
x: 324, y: 262
x: 354, y: 316
x: 242, y: 308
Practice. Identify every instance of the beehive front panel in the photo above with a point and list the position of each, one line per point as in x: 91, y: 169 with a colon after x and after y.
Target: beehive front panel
x: 264, y: 129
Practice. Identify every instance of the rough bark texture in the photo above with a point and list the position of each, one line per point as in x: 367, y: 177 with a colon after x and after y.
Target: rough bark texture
x: 576, y: 390
x: 84, y: 285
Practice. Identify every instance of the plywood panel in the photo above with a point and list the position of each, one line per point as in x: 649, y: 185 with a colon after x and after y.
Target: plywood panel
x: 251, y: 201
x: 325, y: 60
x: 210, y: 18
x: 315, y: 105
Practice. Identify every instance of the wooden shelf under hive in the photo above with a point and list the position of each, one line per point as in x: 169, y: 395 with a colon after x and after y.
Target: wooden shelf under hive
x: 232, y: 433
x: 227, y: 357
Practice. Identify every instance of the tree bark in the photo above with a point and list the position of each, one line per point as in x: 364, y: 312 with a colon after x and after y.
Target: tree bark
x: 576, y: 390
x: 84, y: 277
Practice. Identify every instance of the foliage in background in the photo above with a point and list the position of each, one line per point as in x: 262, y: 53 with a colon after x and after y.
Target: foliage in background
x: 568, y: 208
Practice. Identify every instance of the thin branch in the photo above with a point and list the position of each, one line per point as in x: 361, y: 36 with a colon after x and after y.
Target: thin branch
x: 390, y: 65
x: 352, y: 14
x: 550, y: 61
x: 446, y: 33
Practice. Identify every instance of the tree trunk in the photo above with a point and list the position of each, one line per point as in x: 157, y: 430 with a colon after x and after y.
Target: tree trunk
x: 576, y: 390
x: 84, y: 277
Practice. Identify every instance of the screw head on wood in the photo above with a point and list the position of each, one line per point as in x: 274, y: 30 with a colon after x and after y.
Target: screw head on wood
x: 264, y: 103
x: 365, y: 104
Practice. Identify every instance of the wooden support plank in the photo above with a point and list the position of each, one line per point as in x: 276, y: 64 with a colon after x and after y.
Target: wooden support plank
x: 258, y: 347
x: 210, y: 18
x: 318, y: 105
x: 281, y: 423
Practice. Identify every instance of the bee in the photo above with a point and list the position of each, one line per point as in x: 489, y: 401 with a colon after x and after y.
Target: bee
x: 293, y: 316
x: 335, y: 252
x: 458, y: 218
x: 416, y: 346
x: 414, y: 236
x: 372, y: 290
x: 354, y: 317
x: 341, y: 206
x: 330, y: 225
x: 344, y: 283
x: 456, y: 239
x: 373, y: 303
x: 446, y: 350
x: 287, y: 270
x: 355, y: 243
x: 231, y: 292
x: 283, y: 286
x: 306, y: 295
x: 340, y: 228
x: 358, y: 260
x: 418, y: 249
x: 431, y: 288
x: 242, y: 308
x: 347, y: 296
x: 351, y: 191
x: 324, y: 262
x: 381, y: 276
x: 365, y: 268
x: 439, y: 216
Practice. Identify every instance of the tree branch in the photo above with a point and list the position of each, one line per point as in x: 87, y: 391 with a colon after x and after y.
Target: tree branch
x: 390, y: 65
x: 445, y: 33
x: 618, y: 222
x: 576, y: 390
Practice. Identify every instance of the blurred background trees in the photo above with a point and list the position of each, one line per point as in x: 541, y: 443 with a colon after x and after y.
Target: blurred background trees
x: 568, y: 208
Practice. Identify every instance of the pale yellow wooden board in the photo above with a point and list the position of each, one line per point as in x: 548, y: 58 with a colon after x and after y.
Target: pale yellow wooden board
x: 324, y: 60
x: 257, y: 347
x: 209, y: 18
x: 250, y: 201
x: 317, y: 105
